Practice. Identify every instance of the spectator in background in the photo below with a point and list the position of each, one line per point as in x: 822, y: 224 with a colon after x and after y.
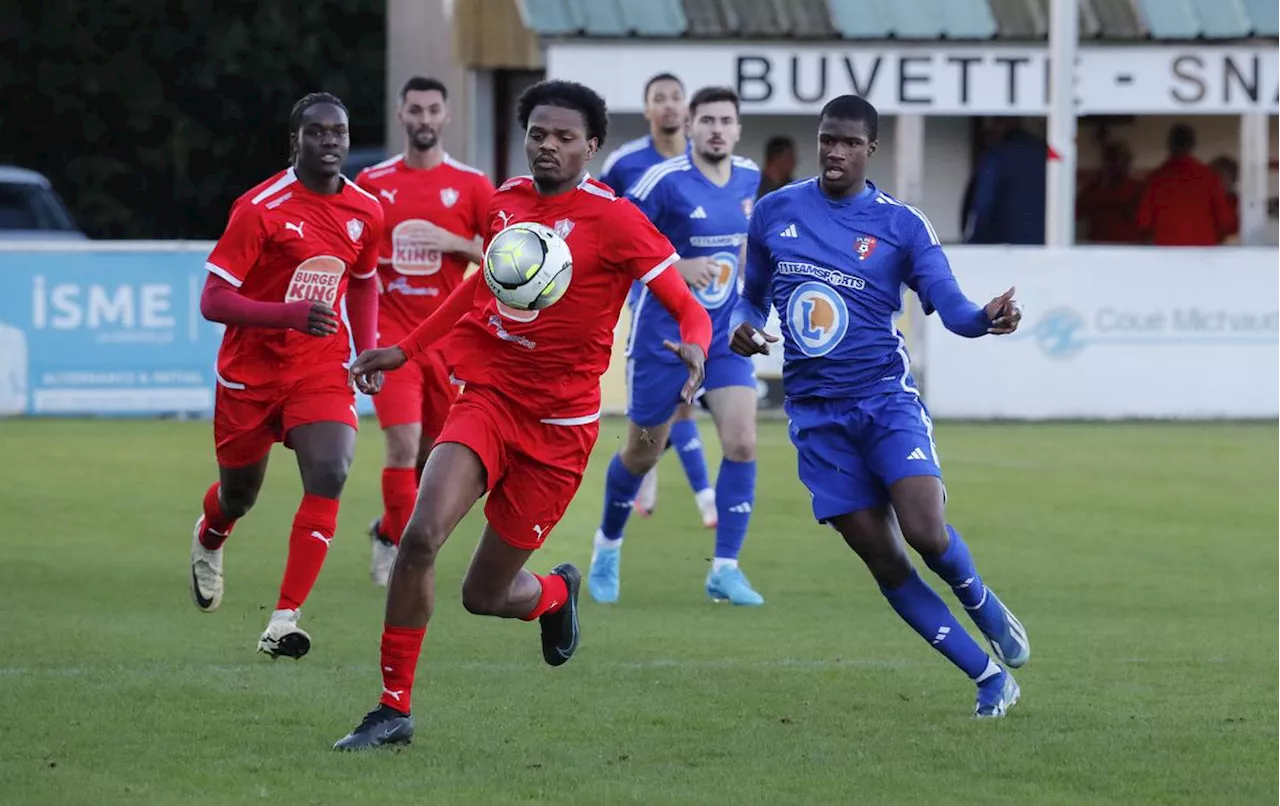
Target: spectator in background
x: 1184, y: 203
x: 1228, y: 171
x: 779, y: 164
x: 1009, y: 189
x: 1109, y: 205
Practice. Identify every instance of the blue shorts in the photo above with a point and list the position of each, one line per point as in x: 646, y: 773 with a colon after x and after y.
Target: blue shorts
x: 653, y: 387
x: 851, y: 451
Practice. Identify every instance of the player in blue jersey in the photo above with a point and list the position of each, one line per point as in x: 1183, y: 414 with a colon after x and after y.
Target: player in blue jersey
x: 665, y: 110
x: 832, y: 254
x: 701, y: 201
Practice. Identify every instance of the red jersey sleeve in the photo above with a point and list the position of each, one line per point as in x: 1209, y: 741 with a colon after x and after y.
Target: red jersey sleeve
x: 647, y: 255
x: 367, y: 261
x: 481, y: 195
x: 240, y: 246
x: 640, y: 250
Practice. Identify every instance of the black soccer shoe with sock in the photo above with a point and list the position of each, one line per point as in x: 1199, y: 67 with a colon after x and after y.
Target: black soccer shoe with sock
x: 382, y: 727
x: 560, y: 631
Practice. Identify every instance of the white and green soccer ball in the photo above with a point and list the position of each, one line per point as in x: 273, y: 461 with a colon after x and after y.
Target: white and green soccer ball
x: 528, y: 266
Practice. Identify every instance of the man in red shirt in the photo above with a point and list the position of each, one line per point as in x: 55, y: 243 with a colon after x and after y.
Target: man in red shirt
x: 434, y: 208
x: 1184, y: 203
x: 295, y: 246
x: 1109, y: 204
x: 524, y: 426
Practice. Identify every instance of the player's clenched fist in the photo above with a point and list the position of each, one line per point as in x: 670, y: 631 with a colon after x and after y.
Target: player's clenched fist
x: 748, y: 341
x: 369, y: 366
x: 698, y: 272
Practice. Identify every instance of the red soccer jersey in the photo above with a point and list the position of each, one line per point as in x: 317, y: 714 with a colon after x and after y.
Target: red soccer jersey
x: 550, y: 361
x: 415, y: 280
x: 284, y: 243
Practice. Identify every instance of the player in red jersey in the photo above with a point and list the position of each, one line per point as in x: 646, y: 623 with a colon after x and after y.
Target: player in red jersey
x: 524, y: 426
x: 435, y: 208
x: 294, y: 247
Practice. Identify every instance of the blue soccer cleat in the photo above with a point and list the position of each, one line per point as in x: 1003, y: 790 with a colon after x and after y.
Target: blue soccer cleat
x: 731, y: 585
x: 1007, y: 636
x: 602, y: 577
x: 996, y: 695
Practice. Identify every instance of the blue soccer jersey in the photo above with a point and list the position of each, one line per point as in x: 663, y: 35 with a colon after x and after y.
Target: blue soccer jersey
x: 628, y: 162
x: 835, y: 269
x: 700, y: 219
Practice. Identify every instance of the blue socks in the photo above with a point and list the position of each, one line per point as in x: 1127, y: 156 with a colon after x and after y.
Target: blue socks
x: 735, y: 496
x: 955, y: 566
x: 684, y: 438
x: 929, y: 616
x: 620, y: 492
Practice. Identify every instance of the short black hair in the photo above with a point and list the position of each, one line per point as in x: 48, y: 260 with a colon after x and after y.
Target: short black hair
x: 712, y: 95
x: 778, y: 145
x: 648, y: 85
x: 566, y: 95
x: 304, y: 103
x: 852, y: 107
x: 424, y: 84
x: 1182, y: 138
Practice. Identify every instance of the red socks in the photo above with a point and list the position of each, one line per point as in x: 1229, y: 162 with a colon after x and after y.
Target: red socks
x: 217, y: 526
x: 399, y: 493
x: 554, y: 594
x: 313, y: 529
x: 400, y: 649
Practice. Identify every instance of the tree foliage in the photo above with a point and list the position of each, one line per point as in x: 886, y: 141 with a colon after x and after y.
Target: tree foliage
x: 151, y: 116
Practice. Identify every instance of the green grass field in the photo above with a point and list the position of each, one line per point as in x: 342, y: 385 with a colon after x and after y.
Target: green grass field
x: 1142, y: 559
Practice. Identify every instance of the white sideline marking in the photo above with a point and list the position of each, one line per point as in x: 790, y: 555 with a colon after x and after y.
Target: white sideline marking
x: 797, y: 664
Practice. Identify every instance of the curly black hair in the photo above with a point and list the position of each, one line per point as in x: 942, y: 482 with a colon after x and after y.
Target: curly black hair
x: 567, y: 95
x: 304, y: 103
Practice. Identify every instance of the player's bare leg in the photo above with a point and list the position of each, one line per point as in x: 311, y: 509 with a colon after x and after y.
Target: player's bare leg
x: 873, y: 535
x: 324, y: 451
x: 400, y: 476
x: 497, y: 584
x: 452, y: 481
x: 920, y: 502
x: 643, y: 448
x: 224, y: 503
x: 734, y: 410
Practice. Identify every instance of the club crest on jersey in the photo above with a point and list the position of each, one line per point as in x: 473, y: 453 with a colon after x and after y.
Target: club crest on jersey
x: 748, y: 204
x: 563, y: 227
x: 355, y: 228
x: 864, y: 245
x: 448, y: 197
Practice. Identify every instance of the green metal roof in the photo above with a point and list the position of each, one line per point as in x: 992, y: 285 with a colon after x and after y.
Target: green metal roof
x: 899, y: 19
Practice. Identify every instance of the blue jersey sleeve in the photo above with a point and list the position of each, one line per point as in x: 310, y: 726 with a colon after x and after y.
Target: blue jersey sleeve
x: 931, y: 278
x: 753, y: 303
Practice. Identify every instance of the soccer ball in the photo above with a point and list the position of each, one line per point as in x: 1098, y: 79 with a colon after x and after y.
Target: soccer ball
x: 528, y: 266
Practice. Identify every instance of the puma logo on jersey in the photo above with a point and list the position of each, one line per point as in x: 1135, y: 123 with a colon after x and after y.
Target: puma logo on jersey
x: 506, y: 218
x: 389, y: 195
x: 295, y: 227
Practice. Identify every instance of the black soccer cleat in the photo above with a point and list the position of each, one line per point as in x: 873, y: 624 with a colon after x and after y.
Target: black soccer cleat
x: 383, y: 726
x: 560, y: 631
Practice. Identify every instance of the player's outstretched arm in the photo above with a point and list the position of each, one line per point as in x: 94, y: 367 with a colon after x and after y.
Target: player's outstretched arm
x: 695, y: 326
x: 427, y: 333
x: 222, y: 303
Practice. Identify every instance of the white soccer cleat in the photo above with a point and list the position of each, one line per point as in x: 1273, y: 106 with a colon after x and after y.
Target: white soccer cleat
x: 707, y: 508
x: 283, y: 636
x: 384, y: 559
x: 206, y: 572
x: 647, y: 498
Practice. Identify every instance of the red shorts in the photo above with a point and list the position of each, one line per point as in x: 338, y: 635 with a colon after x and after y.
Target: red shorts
x: 418, y: 392
x: 534, y: 468
x: 247, y: 422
